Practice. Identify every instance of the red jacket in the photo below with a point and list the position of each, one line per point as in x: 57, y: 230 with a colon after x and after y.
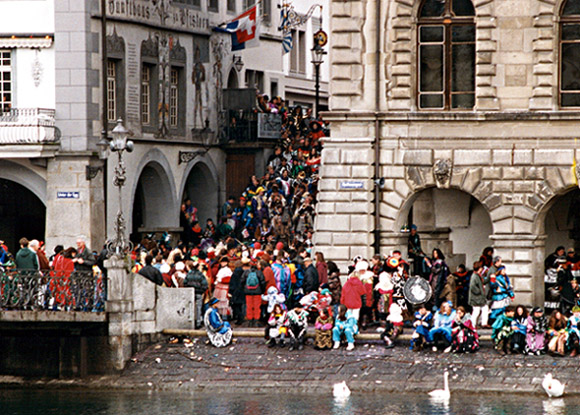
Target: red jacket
x: 352, y: 291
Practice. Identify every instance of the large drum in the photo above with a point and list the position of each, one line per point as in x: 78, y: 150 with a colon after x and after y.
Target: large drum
x: 417, y: 290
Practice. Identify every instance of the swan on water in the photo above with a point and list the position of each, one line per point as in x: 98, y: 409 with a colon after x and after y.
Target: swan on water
x: 341, y: 390
x: 442, y: 393
x: 553, y: 387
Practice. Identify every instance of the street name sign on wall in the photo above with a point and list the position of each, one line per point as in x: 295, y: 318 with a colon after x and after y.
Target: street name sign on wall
x: 68, y: 195
x: 352, y: 184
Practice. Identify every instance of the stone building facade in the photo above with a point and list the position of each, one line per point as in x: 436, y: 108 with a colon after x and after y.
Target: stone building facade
x: 497, y: 171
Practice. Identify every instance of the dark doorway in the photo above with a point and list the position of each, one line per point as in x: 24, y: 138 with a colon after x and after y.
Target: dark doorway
x: 239, y: 168
x: 22, y: 214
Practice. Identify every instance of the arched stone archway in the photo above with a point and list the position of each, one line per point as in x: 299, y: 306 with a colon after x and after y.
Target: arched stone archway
x: 154, y: 207
x: 450, y: 219
x: 201, y: 186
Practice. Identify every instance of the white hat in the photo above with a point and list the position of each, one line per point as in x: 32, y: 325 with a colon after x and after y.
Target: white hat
x: 361, y: 265
x: 180, y: 266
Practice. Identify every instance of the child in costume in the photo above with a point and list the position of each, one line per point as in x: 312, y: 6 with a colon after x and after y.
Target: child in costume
x: 502, y: 330
x: 384, y: 290
x: 464, y: 335
x: 440, y: 334
x: 422, y: 323
x: 394, y: 325
x: 345, y: 324
x: 537, y: 327
x: 574, y: 331
x: 297, y: 323
x: 323, y: 330
x: 520, y: 327
x: 273, y: 298
x: 218, y: 331
x: 277, y: 326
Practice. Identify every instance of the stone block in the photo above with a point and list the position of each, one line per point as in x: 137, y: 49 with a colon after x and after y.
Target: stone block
x: 336, y: 170
x: 364, y: 172
x: 330, y: 155
x: 322, y: 238
x: 551, y: 157
x: 491, y: 173
x: 458, y: 177
x: 493, y: 201
x: 393, y: 199
x: 417, y: 157
x: 523, y: 226
x: 472, y: 179
x: 512, y: 198
x: 568, y: 176
x: 502, y: 157
x: 524, y: 213
x: 502, y: 186
x: 145, y: 327
x: 522, y: 256
x: 513, y: 173
x: 335, y: 222
x: 523, y: 284
x: 483, y: 190
x: 503, y: 226
x: 145, y: 316
x: 389, y: 211
x: 522, y: 156
x: 386, y: 157
x: 327, y: 184
x: 353, y: 238
x: 523, y: 186
x: 500, y: 213
x: 534, y: 173
x: 553, y: 178
x: 175, y: 308
x: 341, y: 253
x: 523, y: 298
x: 354, y: 207
x: 363, y: 196
x: 472, y: 157
x: 361, y: 223
x: 516, y: 75
x: 357, y: 156
x: 324, y: 207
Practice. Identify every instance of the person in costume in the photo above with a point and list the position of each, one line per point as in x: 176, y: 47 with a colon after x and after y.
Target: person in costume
x: 557, y: 333
x: 502, y: 330
x: 344, y: 325
x: 297, y: 323
x: 574, y: 331
x: 422, y: 323
x: 384, y: 290
x: 394, y: 326
x: 464, y: 335
x: 218, y: 331
x: 323, y: 330
x: 501, y: 289
x: 537, y: 327
x: 277, y: 329
x: 440, y: 334
x: 520, y: 327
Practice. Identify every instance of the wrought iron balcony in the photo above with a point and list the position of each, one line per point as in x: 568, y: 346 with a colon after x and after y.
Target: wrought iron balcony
x: 52, y: 291
x: 28, y: 126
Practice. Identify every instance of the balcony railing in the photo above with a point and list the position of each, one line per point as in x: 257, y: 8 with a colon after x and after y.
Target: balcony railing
x: 28, y: 126
x: 249, y: 126
x: 52, y: 291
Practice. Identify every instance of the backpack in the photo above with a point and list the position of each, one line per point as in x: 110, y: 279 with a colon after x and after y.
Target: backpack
x: 252, y: 281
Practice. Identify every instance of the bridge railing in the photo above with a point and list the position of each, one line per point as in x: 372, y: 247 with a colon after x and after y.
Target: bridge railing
x: 52, y: 290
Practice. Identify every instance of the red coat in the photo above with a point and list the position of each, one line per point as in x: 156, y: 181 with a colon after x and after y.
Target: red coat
x: 352, y: 291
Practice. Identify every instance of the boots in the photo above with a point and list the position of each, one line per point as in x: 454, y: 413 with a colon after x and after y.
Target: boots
x: 350, y: 347
x: 336, y: 345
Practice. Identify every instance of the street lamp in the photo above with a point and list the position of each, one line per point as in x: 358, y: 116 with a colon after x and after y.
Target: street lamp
x: 238, y: 63
x: 318, y: 53
x: 119, y: 245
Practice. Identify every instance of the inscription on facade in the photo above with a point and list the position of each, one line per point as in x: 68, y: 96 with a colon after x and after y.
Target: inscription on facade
x: 159, y: 12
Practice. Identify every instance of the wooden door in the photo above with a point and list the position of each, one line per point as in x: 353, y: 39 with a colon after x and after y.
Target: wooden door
x: 239, y: 168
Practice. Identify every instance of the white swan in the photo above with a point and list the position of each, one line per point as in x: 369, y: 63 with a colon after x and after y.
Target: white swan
x: 554, y: 388
x: 442, y: 393
x: 341, y: 390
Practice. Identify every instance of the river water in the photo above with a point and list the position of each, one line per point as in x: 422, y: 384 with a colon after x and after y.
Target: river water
x: 47, y: 402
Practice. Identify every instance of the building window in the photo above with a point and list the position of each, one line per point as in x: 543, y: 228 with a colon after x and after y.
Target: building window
x: 192, y: 3
x: 146, y: 95
x: 266, y: 11
x: 255, y: 79
x: 298, y: 52
x: 247, y: 4
x: 231, y: 5
x: 213, y: 5
x: 174, y: 98
x: 5, y: 80
x: 446, y: 55
x: 111, y: 90
x: 570, y: 54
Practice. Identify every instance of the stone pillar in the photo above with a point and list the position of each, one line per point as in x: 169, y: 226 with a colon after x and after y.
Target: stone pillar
x: 523, y: 257
x: 119, y: 309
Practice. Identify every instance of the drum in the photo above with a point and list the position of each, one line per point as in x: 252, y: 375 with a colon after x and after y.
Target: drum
x: 417, y: 290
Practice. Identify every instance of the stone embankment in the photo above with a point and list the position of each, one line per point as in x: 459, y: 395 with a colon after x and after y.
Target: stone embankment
x: 249, y: 366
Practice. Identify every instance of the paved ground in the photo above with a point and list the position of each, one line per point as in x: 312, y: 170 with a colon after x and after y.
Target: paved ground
x: 248, y: 365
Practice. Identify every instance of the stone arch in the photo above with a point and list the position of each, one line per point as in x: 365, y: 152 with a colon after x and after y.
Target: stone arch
x: 401, y: 43
x: 25, y: 177
x: 540, y: 219
x: 200, y: 183
x: 154, y: 193
x: 233, y: 80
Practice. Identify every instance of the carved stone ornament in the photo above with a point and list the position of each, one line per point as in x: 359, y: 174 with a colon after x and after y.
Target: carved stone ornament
x: 442, y: 172
x: 177, y: 53
x: 149, y: 48
x: 37, y: 71
x: 115, y: 45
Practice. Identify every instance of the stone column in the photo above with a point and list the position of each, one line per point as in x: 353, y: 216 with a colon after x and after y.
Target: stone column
x: 119, y: 309
x: 523, y: 257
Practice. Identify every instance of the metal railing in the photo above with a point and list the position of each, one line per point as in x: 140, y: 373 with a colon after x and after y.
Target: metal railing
x: 52, y: 290
x: 249, y: 126
x: 28, y: 126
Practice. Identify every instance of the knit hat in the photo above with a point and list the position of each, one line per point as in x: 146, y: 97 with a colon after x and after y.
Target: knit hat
x: 213, y: 301
x: 576, y: 309
x: 280, y: 246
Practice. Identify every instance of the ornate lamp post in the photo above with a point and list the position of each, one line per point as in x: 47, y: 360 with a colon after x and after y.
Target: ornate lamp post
x: 318, y: 53
x: 120, y: 244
